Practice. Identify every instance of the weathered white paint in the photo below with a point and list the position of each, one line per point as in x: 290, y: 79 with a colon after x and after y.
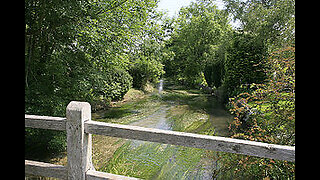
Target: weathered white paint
x: 45, y: 169
x: 215, y: 143
x: 97, y: 175
x: 79, y: 143
x: 45, y: 122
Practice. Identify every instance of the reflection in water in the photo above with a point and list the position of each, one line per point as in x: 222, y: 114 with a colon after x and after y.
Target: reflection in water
x: 219, y: 117
x: 156, y: 120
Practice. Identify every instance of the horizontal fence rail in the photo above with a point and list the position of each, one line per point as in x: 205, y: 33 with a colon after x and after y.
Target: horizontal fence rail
x: 45, y: 169
x: 214, y: 143
x: 45, y: 122
x: 79, y: 127
x: 58, y: 171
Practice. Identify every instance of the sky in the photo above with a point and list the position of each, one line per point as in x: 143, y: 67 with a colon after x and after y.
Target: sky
x: 172, y: 7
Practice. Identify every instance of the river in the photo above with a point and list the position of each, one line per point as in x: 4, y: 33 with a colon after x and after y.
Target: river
x: 177, y: 110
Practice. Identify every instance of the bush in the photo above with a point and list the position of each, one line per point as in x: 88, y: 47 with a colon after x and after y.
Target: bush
x: 146, y: 70
x: 266, y: 115
x: 111, y: 84
x: 41, y: 143
x: 96, y: 87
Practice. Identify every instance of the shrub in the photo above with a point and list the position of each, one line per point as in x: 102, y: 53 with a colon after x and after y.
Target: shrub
x: 146, y: 70
x: 41, y: 143
x: 112, y: 83
x: 266, y: 115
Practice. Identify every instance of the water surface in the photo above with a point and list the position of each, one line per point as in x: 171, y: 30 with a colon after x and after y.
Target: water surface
x: 149, y: 160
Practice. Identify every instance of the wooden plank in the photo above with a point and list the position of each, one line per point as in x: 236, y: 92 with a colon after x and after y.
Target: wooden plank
x: 45, y: 122
x: 97, y: 175
x: 45, y: 169
x: 79, y: 143
x: 214, y: 143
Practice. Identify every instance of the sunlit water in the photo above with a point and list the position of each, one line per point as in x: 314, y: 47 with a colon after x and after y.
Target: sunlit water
x: 160, y: 86
x: 177, y: 162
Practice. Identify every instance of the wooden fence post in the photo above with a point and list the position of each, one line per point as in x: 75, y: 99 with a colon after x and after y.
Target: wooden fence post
x: 79, y: 144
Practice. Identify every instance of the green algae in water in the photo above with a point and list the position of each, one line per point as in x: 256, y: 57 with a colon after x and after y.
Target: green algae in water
x: 155, y: 161
x: 142, y: 161
x: 181, y: 111
x: 182, y: 165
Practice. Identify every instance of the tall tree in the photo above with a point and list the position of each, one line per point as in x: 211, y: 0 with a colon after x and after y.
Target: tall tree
x: 199, y: 31
x: 273, y: 21
x: 79, y: 50
x: 66, y: 39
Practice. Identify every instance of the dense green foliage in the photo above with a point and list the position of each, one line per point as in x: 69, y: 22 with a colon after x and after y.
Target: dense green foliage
x: 147, y: 66
x: 83, y: 50
x: 112, y: 84
x: 272, y: 21
x: 243, y: 64
x: 72, y: 47
x: 198, y: 33
x: 203, y: 44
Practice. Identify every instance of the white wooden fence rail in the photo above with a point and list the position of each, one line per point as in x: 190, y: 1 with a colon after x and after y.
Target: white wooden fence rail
x: 80, y: 127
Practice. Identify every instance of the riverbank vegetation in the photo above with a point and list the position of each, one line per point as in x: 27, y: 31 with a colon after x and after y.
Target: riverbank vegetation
x: 113, y: 53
